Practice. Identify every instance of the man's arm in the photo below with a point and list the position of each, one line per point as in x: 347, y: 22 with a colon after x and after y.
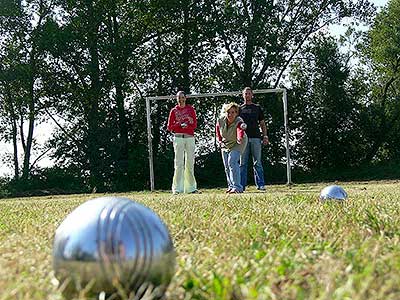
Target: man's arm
x: 265, y: 139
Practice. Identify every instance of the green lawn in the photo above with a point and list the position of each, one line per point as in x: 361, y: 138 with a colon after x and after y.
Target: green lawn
x: 282, y: 244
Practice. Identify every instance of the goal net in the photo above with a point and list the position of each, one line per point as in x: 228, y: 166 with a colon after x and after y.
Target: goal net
x: 207, y: 128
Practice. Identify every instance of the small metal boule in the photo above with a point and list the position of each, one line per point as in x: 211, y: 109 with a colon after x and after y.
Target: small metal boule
x: 333, y: 192
x: 113, y: 245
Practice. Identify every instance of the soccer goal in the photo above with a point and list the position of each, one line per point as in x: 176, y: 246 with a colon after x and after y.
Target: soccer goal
x: 281, y: 91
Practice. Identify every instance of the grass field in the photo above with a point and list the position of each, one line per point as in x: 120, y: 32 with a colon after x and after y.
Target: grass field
x: 282, y: 244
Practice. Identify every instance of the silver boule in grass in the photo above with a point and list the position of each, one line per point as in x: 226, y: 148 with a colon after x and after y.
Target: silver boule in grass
x: 333, y: 192
x: 113, y: 246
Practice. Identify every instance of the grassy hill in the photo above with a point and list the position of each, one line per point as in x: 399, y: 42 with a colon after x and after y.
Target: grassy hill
x: 282, y: 244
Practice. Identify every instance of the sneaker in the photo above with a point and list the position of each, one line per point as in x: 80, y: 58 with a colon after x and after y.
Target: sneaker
x: 228, y: 190
x: 195, y: 192
x: 261, y: 188
x: 233, y: 191
x: 175, y: 193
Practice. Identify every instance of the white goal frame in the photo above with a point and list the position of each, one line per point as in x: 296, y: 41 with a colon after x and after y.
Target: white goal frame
x: 263, y: 91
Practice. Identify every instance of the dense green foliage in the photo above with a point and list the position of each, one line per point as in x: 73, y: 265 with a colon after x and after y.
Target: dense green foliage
x: 383, y: 49
x: 85, y: 67
x: 282, y: 244
x: 326, y: 111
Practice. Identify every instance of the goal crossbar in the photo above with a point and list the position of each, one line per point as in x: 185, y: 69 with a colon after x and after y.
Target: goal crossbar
x: 208, y: 95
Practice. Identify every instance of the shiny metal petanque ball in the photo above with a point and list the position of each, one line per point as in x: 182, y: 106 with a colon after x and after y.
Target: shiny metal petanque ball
x: 113, y: 246
x: 333, y: 192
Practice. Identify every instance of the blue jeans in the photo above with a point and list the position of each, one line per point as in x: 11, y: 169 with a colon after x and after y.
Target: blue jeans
x: 254, y: 146
x: 232, y: 169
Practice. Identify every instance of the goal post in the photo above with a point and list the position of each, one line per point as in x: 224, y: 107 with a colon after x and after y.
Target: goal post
x: 207, y: 95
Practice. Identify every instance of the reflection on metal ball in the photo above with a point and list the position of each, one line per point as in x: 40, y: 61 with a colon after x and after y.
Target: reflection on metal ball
x: 333, y: 192
x: 113, y: 245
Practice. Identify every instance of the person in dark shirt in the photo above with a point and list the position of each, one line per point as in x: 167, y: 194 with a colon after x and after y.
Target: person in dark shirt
x: 253, y: 115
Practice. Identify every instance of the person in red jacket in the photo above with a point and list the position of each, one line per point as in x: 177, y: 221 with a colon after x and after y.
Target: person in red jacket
x: 182, y: 122
x: 231, y: 135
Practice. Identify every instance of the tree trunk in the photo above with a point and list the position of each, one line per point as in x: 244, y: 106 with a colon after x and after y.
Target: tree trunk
x: 383, y: 128
x: 160, y: 90
x: 14, y: 132
x: 185, y: 62
x: 15, y: 143
x: 31, y: 118
x: 94, y: 134
x: 248, y: 59
x: 119, y: 77
x: 247, y: 75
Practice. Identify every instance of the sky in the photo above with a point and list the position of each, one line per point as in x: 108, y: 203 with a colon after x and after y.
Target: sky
x: 44, y: 131
x: 341, y: 29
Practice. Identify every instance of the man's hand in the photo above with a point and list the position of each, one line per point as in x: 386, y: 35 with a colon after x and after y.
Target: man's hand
x: 265, y: 140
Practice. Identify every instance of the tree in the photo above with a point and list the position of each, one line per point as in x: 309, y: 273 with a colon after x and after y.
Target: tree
x: 325, y: 112
x: 382, y: 51
x: 262, y: 38
x: 20, y: 78
x: 96, y: 74
x: 11, y: 99
x: 180, y: 59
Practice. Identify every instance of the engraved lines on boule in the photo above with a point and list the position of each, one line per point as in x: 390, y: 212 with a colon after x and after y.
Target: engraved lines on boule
x: 105, y: 236
x: 138, y: 242
x: 117, y: 216
x: 139, y: 276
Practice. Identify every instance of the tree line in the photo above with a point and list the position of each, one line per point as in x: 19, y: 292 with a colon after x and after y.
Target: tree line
x: 87, y: 66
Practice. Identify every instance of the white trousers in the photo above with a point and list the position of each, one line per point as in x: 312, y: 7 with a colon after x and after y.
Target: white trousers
x: 184, y: 181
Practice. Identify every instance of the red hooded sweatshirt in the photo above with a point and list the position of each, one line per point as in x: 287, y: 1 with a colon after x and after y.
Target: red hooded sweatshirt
x: 179, y: 115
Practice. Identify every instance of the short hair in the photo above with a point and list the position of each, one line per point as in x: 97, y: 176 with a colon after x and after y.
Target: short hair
x: 247, y: 88
x: 228, y: 106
